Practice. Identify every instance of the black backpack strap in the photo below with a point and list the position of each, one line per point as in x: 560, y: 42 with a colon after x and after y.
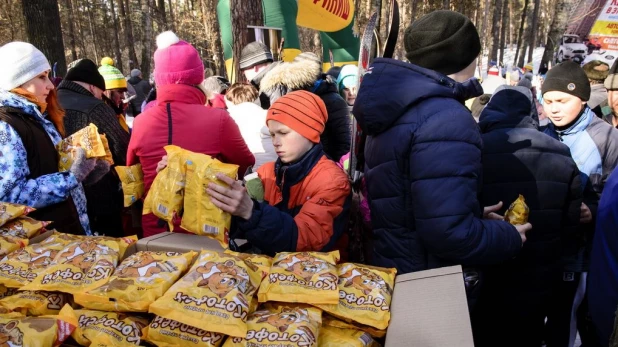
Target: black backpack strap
x: 169, y: 123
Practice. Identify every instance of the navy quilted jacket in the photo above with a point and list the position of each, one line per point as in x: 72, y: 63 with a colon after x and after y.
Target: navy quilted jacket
x: 423, y: 167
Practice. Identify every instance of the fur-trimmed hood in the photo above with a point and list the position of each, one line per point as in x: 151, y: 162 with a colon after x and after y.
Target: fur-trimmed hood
x: 300, y: 75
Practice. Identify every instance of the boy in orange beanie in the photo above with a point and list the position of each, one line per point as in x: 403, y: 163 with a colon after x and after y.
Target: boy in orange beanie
x: 304, y: 191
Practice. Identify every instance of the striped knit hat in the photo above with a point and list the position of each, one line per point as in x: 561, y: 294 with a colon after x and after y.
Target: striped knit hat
x: 114, y: 79
x: 302, y: 111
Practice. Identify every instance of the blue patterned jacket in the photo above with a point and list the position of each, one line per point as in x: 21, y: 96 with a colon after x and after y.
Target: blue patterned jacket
x: 15, y: 184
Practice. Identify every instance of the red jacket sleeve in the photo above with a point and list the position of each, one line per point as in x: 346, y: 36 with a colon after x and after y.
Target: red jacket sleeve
x: 234, y: 150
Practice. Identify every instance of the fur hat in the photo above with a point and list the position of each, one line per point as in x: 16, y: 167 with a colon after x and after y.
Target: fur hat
x: 611, y: 82
x: 176, y: 62
x: 569, y: 78
x: 596, y: 70
x: 19, y: 63
x: 286, y: 77
x: 443, y: 41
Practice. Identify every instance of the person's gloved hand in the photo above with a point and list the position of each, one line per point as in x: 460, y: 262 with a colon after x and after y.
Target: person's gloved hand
x: 101, y: 168
x: 82, y: 166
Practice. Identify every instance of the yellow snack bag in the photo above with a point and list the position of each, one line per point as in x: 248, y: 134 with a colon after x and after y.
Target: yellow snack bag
x: 262, y: 262
x: 518, y: 212
x: 9, y: 211
x: 108, y: 153
x: 81, y: 266
x: 37, y: 331
x: 282, y: 325
x: 132, y: 180
x: 87, y: 138
x: 165, y: 332
x: 103, y: 329
x: 9, y: 244
x: 166, y: 195
x: 338, y: 337
x: 23, y: 227
x: 36, y: 303
x: 22, y: 266
x: 328, y: 320
x: 216, y: 293
x: 5, y: 291
x: 365, y: 294
x: 307, y: 277
x: 137, y: 282
x: 201, y: 216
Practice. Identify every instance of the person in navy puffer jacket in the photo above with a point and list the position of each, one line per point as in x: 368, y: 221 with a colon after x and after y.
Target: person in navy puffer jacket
x: 519, y: 159
x: 423, y: 153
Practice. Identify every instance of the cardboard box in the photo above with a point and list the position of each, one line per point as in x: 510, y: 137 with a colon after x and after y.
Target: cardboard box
x: 430, y: 309
x: 175, y: 242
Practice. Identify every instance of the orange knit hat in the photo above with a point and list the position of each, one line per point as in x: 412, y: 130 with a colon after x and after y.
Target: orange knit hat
x: 302, y: 111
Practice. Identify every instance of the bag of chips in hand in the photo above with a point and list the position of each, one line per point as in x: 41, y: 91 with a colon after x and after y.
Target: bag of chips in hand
x: 365, y: 294
x: 307, y: 277
x: 201, y: 216
x: 87, y: 138
x: 96, y: 328
x: 9, y: 211
x: 108, y: 153
x: 518, y: 212
x: 132, y: 180
x: 216, y: 293
x: 166, y: 332
x: 137, y: 282
x: 166, y: 195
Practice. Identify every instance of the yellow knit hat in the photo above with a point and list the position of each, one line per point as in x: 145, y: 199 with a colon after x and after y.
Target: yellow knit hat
x: 114, y: 79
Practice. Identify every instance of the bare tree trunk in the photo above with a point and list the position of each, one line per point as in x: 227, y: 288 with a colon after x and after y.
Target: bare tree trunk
x: 92, y: 31
x: 147, y: 42
x: 213, y: 35
x: 68, y: 4
x: 172, y: 24
x: 535, y: 25
x: 483, y: 31
x: 520, y: 35
x: 162, y: 16
x: 495, y: 30
x: 557, y: 28
x: 526, y: 39
x: 128, y: 32
x: 504, y: 21
x: 244, y: 12
x: 117, y: 51
x: 42, y: 19
x: 446, y: 5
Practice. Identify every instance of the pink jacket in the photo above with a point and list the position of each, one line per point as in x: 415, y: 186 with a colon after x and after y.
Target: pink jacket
x: 195, y: 127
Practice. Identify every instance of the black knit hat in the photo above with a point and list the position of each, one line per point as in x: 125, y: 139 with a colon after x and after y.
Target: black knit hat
x: 253, y: 54
x: 596, y: 70
x: 443, y: 41
x: 85, y: 70
x: 569, y: 78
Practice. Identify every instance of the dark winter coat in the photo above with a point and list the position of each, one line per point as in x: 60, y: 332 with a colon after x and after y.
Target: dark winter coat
x: 594, y: 147
x: 142, y: 88
x: 82, y: 108
x: 519, y: 159
x: 603, y: 274
x: 305, y: 75
x: 423, y: 167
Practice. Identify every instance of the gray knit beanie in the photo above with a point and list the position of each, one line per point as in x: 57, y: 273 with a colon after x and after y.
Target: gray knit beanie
x: 254, y: 54
x: 19, y: 63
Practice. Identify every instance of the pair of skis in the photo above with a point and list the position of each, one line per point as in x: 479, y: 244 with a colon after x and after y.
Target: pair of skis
x: 358, y: 138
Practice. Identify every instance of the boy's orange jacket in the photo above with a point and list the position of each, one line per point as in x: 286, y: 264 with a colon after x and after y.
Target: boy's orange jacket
x: 305, y: 206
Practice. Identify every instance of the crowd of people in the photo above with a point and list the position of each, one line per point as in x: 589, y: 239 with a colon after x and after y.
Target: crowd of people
x: 438, y: 176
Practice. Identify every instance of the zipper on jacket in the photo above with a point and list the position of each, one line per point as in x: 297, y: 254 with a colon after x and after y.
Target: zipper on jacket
x: 282, y: 184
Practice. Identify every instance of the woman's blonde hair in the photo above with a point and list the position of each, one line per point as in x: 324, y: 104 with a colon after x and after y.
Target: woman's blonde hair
x: 241, y: 92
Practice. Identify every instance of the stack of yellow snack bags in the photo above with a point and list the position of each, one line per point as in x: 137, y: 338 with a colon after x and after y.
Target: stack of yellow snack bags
x: 179, y: 191
x: 16, y: 229
x: 88, y: 138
